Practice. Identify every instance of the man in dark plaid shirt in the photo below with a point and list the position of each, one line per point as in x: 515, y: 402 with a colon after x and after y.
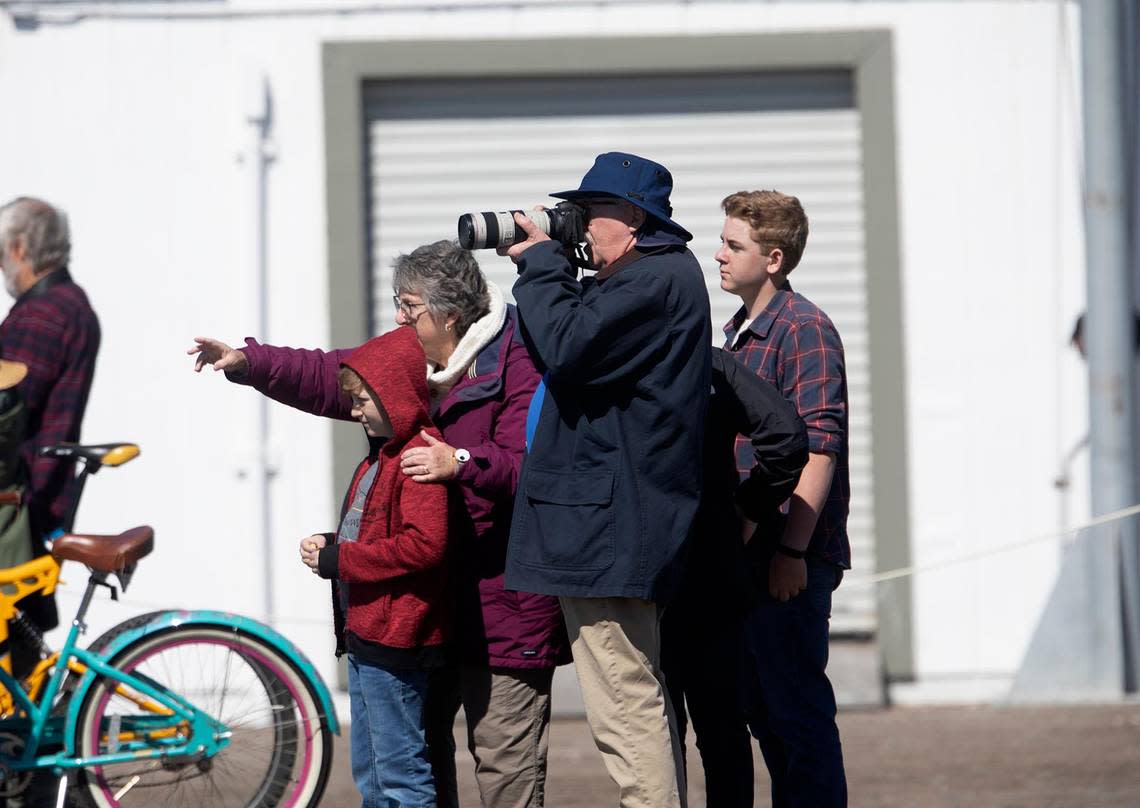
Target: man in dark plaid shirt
x: 788, y: 341
x: 53, y: 330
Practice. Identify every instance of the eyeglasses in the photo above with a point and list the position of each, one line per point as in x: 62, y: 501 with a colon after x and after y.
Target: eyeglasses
x: 405, y: 308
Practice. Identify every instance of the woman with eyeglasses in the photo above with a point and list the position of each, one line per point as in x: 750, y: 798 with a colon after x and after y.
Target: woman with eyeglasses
x: 481, y: 381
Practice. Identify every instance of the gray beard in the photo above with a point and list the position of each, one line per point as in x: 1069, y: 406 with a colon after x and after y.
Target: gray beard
x: 10, y: 280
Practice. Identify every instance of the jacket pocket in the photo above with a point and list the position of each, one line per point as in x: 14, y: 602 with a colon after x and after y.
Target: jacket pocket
x: 369, y: 611
x: 568, y: 520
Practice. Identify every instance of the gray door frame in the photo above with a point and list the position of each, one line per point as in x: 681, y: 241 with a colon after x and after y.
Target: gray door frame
x: 867, y: 53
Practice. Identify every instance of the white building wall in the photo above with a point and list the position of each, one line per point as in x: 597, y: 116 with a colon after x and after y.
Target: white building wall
x: 135, y: 126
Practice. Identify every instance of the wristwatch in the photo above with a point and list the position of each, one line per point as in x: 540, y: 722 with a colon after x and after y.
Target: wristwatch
x: 462, y: 455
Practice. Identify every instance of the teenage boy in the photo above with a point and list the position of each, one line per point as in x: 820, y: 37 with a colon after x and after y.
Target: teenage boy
x: 386, y: 562
x: 788, y: 341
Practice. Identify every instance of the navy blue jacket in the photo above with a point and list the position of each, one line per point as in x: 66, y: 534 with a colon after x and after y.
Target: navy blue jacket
x: 612, y: 479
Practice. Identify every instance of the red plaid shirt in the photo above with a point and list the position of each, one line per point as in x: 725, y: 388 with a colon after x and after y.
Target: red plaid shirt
x: 793, y: 345
x: 53, y: 330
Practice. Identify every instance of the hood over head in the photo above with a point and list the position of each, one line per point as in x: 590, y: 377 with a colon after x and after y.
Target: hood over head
x: 392, y: 365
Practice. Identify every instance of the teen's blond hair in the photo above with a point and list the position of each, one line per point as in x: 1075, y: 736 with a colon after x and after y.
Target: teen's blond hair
x: 777, y: 221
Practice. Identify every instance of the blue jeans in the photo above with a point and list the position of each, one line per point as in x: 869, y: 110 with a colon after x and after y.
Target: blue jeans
x: 792, y: 709
x: 389, y: 754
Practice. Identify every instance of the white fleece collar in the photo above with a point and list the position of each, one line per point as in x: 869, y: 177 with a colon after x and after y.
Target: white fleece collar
x: 481, y: 332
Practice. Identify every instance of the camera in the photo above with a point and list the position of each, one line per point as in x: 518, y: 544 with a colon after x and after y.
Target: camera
x: 565, y: 222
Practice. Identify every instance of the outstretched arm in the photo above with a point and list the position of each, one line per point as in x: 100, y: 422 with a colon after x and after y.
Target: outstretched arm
x: 301, y: 378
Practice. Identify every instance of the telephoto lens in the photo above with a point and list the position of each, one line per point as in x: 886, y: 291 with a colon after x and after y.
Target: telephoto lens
x: 566, y: 222
x: 481, y: 231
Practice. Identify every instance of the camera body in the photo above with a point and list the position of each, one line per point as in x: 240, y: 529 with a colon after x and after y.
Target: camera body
x: 565, y: 223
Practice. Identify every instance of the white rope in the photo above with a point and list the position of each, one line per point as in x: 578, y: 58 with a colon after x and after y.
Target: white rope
x: 903, y: 572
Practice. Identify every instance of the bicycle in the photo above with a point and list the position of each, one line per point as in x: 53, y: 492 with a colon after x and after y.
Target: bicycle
x: 202, y: 707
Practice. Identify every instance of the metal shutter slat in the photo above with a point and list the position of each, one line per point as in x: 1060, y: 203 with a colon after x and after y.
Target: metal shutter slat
x: 441, y: 148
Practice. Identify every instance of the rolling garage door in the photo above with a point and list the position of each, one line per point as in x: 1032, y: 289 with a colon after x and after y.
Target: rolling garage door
x: 437, y: 149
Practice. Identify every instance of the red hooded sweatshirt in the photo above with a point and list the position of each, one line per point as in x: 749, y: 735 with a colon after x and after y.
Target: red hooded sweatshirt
x: 399, y: 606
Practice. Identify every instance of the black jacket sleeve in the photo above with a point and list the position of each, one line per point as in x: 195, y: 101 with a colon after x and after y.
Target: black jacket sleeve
x: 328, y: 562
x: 779, y: 438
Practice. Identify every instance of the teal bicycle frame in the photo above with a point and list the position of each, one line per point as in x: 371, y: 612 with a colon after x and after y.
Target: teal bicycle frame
x: 207, y: 736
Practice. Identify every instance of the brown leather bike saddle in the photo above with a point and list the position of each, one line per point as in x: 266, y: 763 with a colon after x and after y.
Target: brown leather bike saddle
x: 105, y: 553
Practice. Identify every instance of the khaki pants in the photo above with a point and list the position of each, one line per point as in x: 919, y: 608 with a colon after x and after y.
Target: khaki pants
x: 508, y: 723
x: 616, y: 647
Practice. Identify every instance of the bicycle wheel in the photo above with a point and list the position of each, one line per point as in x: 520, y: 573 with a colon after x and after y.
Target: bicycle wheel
x: 280, y: 746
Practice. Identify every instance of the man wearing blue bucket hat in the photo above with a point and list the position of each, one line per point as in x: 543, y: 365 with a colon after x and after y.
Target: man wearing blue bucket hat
x: 612, y: 478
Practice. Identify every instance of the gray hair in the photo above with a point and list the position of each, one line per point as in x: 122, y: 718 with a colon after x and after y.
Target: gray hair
x: 41, y: 227
x: 449, y: 280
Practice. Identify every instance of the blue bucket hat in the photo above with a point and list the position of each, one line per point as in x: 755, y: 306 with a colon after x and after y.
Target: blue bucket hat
x: 638, y: 181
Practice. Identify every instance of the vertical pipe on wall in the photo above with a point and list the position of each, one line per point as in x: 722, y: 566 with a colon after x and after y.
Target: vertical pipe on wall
x: 261, y: 119
x: 1128, y: 34
x: 1109, y: 322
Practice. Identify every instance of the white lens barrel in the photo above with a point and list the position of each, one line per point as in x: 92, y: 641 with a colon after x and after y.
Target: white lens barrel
x: 498, y: 229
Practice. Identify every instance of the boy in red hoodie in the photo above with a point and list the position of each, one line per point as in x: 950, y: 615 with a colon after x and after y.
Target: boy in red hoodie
x: 386, y: 562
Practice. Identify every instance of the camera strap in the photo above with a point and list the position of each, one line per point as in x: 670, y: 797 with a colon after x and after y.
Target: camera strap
x: 581, y: 259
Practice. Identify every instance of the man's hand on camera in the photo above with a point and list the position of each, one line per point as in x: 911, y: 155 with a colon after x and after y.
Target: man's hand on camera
x: 533, y: 236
